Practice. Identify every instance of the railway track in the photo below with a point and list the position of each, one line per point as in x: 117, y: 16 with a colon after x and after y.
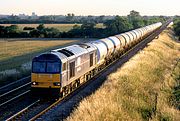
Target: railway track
x: 22, y: 111
x: 14, y: 94
x: 31, y: 110
x: 15, y: 84
x: 22, y: 114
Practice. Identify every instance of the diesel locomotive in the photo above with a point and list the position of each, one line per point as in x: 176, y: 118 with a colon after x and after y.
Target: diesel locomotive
x: 58, y: 72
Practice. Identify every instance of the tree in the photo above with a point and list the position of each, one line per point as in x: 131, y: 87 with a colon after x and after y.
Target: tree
x: 135, y: 19
x: 177, y: 27
x: 13, y: 29
x: 28, y: 28
x: 41, y: 30
x: 87, y: 25
x: 52, y: 32
x: 75, y: 32
x: 34, y: 33
x: 88, y: 29
x: 70, y: 17
x: 41, y: 27
x: 101, y: 19
x: 134, y: 13
x: 118, y: 25
x: 3, y: 31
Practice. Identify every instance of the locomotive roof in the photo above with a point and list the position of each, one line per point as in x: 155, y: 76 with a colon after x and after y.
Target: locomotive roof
x: 71, y: 51
x: 52, y: 55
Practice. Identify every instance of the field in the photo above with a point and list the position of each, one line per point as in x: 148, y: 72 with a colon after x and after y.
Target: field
x: 13, y: 48
x: 145, y: 88
x: 60, y: 27
x: 16, y: 54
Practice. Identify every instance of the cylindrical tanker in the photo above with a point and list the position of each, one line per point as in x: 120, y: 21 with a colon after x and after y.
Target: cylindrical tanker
x: 127, y: 39
x: 122, y: 40
x: 116, y: 42
x: 101, y: 50
x: 131, y: 37
x: 109, y: 44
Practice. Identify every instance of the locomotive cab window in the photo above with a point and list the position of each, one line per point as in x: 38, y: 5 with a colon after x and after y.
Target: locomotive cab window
x: 39, y: 67
x: 72, y: 69
x: 53, y: 67
x: 91, y: 59
x: 64, y: 66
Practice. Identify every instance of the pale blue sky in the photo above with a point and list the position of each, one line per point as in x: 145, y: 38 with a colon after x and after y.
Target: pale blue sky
x: 90, y: 7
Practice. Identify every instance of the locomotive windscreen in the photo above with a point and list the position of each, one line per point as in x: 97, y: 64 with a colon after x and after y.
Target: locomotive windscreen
x: 39, y: 67
x: 46, y: 67
x: 46, y: 63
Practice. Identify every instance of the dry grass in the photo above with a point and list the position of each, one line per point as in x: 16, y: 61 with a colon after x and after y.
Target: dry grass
x: 100, y: 25
x: 131, y: 92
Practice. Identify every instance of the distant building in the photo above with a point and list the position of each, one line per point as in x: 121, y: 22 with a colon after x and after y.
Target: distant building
x: 23, y: 16
x: 4, y: 16
x: 34, y: 16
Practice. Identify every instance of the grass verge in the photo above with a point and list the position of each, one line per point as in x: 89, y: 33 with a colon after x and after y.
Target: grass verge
x: 145, y: 88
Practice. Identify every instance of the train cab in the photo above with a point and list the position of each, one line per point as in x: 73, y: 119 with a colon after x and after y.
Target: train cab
x: 56, y: 72
x: 46, y: 74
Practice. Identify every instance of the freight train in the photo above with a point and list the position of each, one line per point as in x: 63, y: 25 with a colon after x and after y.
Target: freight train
x: 58, y: 72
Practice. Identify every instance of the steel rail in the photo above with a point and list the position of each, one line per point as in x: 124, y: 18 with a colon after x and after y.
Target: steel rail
x: 23, y: 110
x: 15, y: 89
x: 14, y: 98
x: 14, y: 82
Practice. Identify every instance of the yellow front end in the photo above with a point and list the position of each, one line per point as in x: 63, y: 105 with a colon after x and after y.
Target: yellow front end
x: 45, y: 80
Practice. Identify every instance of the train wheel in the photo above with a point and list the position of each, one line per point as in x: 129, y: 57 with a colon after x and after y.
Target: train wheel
x: 62, y: 94
x: 75, y: 85
x: 71, y: 89
x: 86, y: 78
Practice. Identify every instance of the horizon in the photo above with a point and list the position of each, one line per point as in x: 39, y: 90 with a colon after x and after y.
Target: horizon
x: 76, y: 15
x: 95, y: 8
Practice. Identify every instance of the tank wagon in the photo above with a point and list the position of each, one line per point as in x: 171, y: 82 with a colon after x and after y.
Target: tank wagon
x: 58, y: 72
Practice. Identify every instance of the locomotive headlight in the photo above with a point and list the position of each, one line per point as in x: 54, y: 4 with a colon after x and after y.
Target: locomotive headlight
x: 34, y: 83
x: 57, y: 84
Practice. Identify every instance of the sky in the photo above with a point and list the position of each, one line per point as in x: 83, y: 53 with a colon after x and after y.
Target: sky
x: 90, y: 7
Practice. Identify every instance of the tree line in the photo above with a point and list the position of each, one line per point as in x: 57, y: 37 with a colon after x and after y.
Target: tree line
x: 111, y: 27
x: 176, y: 26
x: 47, y: 19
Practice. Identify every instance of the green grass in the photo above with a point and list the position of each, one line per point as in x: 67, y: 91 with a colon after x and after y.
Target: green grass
x: 175, y: 96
